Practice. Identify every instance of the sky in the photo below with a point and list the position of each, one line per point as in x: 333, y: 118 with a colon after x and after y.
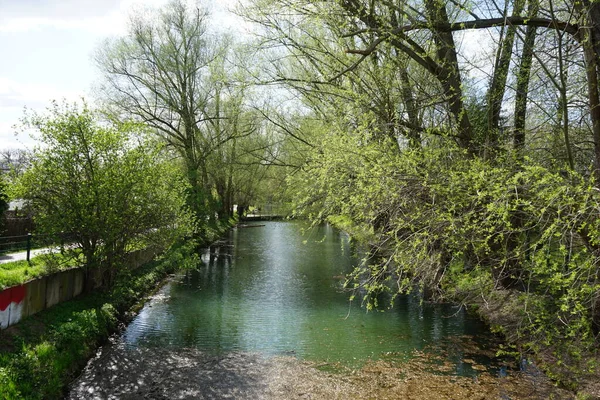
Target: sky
x: 46, y: 49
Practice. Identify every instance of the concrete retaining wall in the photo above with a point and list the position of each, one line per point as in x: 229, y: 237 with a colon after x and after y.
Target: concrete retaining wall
x: 21, y: 301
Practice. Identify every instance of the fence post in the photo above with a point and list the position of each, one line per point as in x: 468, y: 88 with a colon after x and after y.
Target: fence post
x: 28, y: 245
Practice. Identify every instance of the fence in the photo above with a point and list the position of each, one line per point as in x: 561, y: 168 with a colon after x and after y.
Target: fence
x: 16, y: 226
x: 9, y: 244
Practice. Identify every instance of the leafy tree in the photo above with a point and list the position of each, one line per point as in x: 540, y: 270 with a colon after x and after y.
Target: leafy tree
x: 481, y: 193
x: 422, y: 37
x: 158, y: 74
x: 14, y: 162
x: 172, y: 74
x: 102, y: 183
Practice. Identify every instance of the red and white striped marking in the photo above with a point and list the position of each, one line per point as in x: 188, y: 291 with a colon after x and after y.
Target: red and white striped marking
x: 11, y: 305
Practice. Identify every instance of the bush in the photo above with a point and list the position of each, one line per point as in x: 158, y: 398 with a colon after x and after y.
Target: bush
x: 460, y: 228
x: 41, y: 366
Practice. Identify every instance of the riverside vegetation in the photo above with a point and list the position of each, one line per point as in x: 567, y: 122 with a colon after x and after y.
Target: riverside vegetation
x: 43, y: 353
x: 470, y: 172
x: 516, y: 246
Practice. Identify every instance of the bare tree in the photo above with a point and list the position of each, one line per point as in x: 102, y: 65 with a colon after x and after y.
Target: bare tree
x: 160, y: 73
x: 14, y: 161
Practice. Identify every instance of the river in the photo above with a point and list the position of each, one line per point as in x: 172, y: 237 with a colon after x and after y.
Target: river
x: 270, y: 296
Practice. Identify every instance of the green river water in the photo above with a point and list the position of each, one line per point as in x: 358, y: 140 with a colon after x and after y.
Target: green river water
x: 273, y: 290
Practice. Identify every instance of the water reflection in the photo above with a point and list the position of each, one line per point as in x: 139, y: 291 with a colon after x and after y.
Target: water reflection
x: 272, y: 290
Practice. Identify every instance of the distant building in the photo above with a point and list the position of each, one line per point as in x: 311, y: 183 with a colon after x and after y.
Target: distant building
x: 17, y: 209
x: 17, y: 219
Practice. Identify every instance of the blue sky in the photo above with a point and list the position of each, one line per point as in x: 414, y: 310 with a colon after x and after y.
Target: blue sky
x: 47, y: 47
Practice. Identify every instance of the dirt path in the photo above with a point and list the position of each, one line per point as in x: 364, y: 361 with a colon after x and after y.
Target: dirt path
x: 118, y: 372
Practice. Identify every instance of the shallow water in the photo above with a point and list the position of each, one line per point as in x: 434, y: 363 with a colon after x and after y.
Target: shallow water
x: 272, y: 290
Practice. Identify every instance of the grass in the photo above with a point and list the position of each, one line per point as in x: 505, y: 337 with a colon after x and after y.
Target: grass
x: 42, y: 354
x: 18, y: 272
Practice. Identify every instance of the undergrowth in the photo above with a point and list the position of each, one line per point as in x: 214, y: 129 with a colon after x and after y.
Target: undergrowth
x: 44, y: 352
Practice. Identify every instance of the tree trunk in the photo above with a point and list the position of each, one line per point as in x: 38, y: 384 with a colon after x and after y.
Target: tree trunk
x: 90, y: 267
x: 593, y: 13
x: 590, y: 39
x: 498, y: 84
x: 523, y: 78
x: 414, y: 138
x: 449, y: 74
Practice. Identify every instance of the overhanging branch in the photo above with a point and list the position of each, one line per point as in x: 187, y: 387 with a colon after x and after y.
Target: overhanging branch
x: 548, y: 23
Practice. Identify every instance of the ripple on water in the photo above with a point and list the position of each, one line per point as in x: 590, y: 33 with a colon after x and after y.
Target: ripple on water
x: 275, y: 291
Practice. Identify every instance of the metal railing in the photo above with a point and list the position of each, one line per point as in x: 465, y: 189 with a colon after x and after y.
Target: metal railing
x: 267, y: 210
x: 11, y: 244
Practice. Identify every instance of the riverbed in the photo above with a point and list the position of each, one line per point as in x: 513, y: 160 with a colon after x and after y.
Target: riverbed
x: 264, y: 315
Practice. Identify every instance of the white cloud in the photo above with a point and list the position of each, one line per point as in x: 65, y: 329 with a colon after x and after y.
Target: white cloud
x: 15, y: 97
x: 101, y: 25
x: 54, y: 8
x: 10, y: 140
x: 111, y: 18
x: 14, y: 94
x: 99, y: 17
x: 48, y: 43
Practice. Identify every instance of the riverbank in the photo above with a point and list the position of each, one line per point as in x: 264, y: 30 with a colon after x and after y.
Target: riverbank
x: 228, y: 329
x: 119, y: 371
x: 565, y: 361
x: 43, y: 353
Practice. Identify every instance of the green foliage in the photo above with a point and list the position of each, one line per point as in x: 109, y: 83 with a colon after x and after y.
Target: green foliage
x: 517, y: 241
x: 46, y: 360
x: 204, y: 115
x: 8, y: 383
x: 38, y: 370
x: 17, y: 272
x: 104, y: 183
x: 447, y: 197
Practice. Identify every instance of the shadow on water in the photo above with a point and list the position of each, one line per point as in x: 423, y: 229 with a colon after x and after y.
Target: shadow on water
x: 263, y: 317
x: 274, y: 291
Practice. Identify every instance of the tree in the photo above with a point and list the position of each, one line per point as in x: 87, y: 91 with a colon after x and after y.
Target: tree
x: 173, y: 75
x: 102, y: 183
x: 14, y: 161
x: 523, y: 78
x: 414, y: 157
x: 424, y: 34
